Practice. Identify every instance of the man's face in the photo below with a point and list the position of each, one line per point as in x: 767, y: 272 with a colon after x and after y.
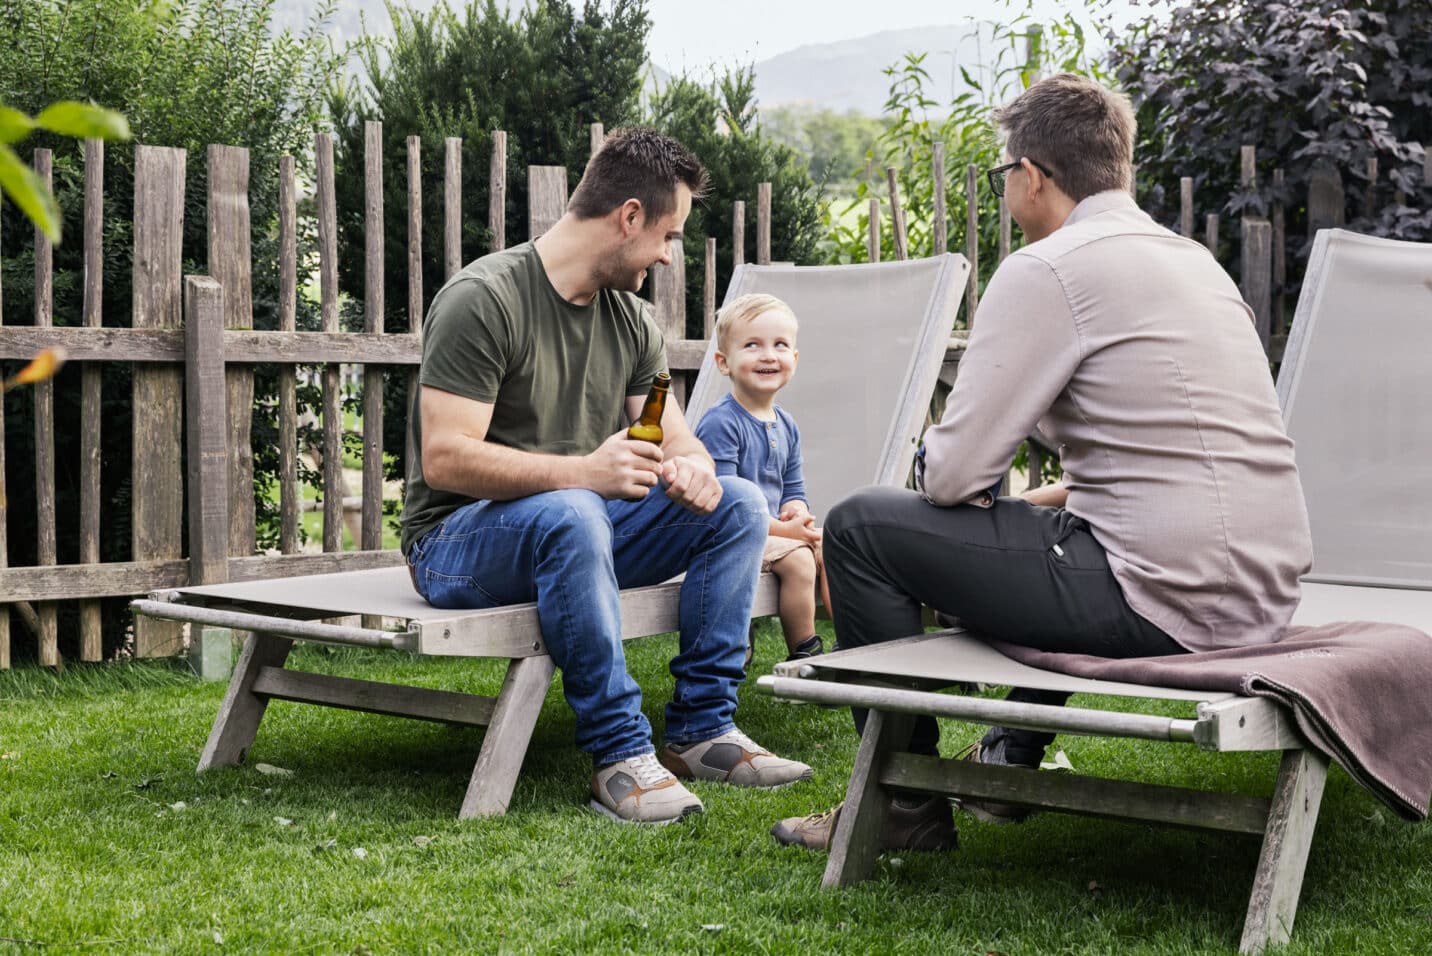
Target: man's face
x: 648, y: 244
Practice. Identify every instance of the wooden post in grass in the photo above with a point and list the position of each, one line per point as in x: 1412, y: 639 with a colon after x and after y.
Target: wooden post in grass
x: 940, y: 225
x: 872, y: 233
x: 415, y: 267
x: 497, y: 191
x: 287, y: 375
x: 158, y: 475
x: 373, y: 309
x: 972, y: 241
x: 1280, y: 256
x: 452, y: 205
x: 546, y: 198
x: 91, y: 411
x: 1210, y: 233
x: 708, y: 301
x: 897, y: 224
x: 1327, y: 203
x: 597, y: 136
x: 328, y: 308
x: 738, y: 233
x: 1185, y: 202
x: 45, y: 549
x: 763, y: 224
x: 231, y: 266
x: 1004, y: 231
x: 1257, y: 273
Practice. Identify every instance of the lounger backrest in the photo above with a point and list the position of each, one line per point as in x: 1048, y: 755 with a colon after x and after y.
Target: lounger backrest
x: 871, y: 341
x: 1356, y: 392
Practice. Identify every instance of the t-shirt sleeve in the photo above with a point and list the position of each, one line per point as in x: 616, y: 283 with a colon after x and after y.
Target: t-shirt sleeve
x: 467, y: 342
x: 651, y: 353
x: 722, y: 438
x: 793, y: 481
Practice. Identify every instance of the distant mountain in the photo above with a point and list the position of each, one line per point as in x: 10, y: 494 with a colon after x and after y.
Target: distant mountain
x: 849, y: 75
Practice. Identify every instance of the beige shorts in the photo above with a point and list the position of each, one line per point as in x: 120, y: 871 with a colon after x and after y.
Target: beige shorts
x: 777, y: 548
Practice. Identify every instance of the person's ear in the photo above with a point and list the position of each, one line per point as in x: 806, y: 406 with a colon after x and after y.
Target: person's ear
x: 1033, y: 176
x: 795, y: 358
x: 630, y: 217
x: 722, y: 365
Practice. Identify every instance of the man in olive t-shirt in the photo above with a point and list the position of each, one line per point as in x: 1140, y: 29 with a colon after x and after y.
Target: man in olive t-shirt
x: 525, y: 487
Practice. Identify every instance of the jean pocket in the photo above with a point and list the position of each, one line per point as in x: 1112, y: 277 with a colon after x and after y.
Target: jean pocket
x: 456, y: 591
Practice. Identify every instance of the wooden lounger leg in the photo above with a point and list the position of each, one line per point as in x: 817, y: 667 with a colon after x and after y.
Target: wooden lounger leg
x: 239, y: 715
x: 1291, y: 821
x: 505, y: 745
x: 856, y: 843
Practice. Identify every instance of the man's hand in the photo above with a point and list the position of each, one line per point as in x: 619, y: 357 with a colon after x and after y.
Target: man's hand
x: 691, y: 483
x: 625, y: 468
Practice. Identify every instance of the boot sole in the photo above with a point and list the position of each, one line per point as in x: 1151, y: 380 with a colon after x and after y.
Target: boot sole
x: 606, y: 811
x: 998, y: 819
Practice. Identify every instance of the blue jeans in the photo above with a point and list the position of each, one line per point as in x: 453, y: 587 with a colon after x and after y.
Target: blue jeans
x: 570, y: 551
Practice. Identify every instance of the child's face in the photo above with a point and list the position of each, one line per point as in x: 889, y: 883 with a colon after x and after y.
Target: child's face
x: 760, y: 355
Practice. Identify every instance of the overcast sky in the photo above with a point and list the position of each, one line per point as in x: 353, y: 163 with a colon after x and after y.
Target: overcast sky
x: 687, y: 34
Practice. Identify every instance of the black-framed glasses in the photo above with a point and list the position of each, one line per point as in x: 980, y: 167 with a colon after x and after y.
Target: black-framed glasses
x: 996, y: 176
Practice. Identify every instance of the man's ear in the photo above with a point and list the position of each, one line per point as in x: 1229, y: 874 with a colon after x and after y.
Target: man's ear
x: 631, y: 217
x: 1032, y: 175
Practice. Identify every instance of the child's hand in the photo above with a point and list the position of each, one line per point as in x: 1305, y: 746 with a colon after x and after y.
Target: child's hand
x: 799, y: 526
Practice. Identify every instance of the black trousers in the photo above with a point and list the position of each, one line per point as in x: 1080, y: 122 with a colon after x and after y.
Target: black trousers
x: 1017, y: 572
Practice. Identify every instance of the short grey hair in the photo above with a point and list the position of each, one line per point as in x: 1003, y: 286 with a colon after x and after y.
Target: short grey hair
x: 1074, y: 126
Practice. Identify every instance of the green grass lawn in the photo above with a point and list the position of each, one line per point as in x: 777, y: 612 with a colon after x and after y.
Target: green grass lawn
x: 110, y: 843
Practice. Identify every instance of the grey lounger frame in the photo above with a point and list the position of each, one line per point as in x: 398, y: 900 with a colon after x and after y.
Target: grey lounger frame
x: 913, y: 302
x: 1358, y: 349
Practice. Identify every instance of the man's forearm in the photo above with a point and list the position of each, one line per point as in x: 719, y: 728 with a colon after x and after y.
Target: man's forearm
x: 484, y: 469
x: 688, y: 446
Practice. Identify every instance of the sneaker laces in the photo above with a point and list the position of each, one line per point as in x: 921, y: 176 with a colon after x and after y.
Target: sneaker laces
x: 648, y: 771
x: 735, y: 735
x: 823, y: 817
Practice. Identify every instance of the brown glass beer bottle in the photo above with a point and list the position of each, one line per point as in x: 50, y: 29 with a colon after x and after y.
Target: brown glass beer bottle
x: 648, y: 426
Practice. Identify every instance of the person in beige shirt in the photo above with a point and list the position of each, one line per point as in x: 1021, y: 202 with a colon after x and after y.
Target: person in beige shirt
x: 1179, y: 524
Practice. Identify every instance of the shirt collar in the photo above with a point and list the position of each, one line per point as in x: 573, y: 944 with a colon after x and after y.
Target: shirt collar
x: 1105, y: 201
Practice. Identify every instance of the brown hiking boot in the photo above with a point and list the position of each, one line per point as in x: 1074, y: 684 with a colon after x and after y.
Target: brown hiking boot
x: 910, y: 825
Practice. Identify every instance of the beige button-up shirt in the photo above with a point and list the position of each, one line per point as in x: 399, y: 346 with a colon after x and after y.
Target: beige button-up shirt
x: 1131, y: 348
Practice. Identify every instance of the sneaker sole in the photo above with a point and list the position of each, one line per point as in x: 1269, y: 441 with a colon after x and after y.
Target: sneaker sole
x: 606, y: 811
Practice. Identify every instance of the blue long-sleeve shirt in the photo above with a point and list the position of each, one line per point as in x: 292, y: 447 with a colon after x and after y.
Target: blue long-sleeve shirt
x: 766, y: 453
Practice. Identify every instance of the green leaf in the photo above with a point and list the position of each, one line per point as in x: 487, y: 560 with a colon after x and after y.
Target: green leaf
x: 28, y: 191
x: 83, y: 121
x: 14, y: 125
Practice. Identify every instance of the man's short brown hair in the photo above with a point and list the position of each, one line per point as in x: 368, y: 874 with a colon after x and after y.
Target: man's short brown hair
x: 637, y: 163
x: 1074, y: 126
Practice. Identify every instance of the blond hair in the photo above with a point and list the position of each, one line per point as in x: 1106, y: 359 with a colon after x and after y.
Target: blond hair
x: 746, y: 308
x: 1074, y: 126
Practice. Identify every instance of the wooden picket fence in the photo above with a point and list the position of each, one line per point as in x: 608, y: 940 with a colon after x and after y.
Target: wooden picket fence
x: 190, y: 333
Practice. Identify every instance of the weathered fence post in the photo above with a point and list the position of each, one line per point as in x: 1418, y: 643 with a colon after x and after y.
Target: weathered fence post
x: 1257, y: 272
x: 940, y: 224
x: 1327, y: 202
x: 1369, y: 196
x: 1210, y: 233
x: 763, y: 224
x: 287, y: 375
x: 972, y: 240
x: 91, y: 411
x: 1185, y: 202
x: 708, y: 301
x: 1004, y: 230
x: 45, y: 550
x: 897, y: 225
x: 231, y: 266
x: 328, y: 309
x: 158, y: 476
x: 452, y: 205
x: 872, y: 232
x: 207, y: 462
x: 1280, y: 258
x: 373, y: 308
x: 546, y: 198
x: 497, y: 191
x: 668, y: 293
x: 415, y: 269
x: 598, y: 135
x: 738, y: 233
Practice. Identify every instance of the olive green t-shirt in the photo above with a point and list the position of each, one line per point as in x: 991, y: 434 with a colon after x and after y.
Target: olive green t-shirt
x: 556, y: 374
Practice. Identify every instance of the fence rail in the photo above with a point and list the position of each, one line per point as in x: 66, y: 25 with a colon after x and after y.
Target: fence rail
x: 188, y: 334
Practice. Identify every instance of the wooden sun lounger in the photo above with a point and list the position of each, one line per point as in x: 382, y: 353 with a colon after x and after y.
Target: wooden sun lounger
x: 1354, y: 384
x: 860, y: 411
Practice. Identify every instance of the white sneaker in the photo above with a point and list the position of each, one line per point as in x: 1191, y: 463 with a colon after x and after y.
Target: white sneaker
x: 641, y: 790
x: 733, y: 758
